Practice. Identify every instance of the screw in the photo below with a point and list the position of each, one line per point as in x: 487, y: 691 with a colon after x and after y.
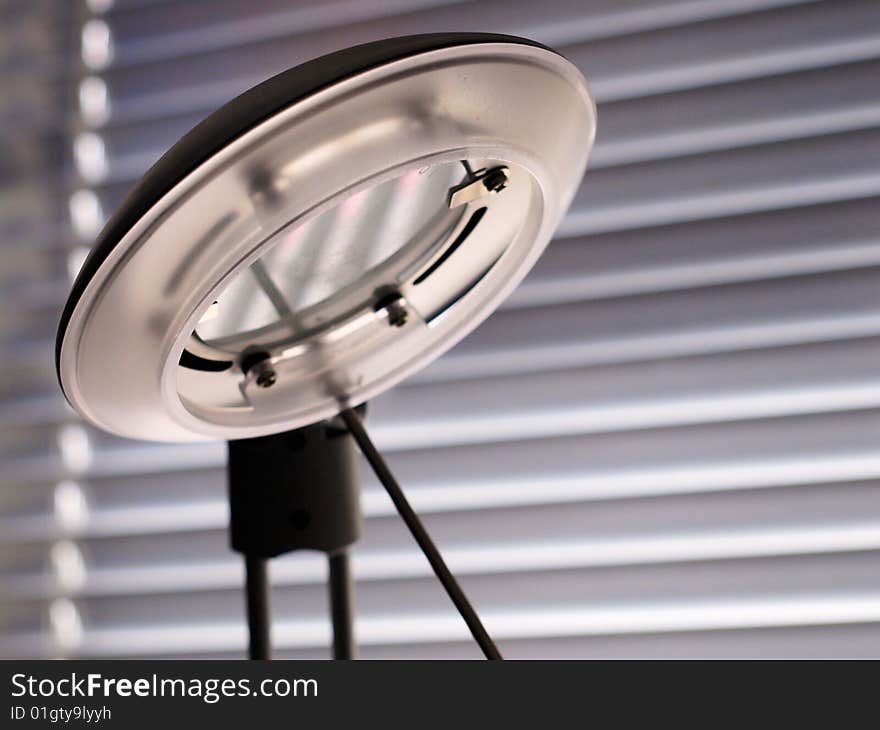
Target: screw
x: 393, y: 304
x: 266, y: 375
x: 257, y: 361
x: 397, y: 313
x: 495, y: 180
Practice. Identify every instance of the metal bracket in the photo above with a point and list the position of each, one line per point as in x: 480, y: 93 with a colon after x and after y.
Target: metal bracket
x: 478, y: 184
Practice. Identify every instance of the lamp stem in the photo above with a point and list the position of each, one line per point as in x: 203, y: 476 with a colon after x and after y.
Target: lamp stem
x: 257, y: 582
x: 342, y: 604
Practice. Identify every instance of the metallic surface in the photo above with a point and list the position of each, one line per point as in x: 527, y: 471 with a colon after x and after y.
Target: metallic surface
x: 523, y: 107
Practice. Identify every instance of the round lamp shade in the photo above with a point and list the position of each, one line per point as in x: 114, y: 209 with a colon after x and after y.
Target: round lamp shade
x: 323, y: 236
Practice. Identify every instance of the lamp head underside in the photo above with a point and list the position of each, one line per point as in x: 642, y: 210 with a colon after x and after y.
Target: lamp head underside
x: 323, y: 236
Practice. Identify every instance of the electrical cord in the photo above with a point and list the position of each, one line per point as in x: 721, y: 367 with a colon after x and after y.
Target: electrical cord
x: 481, y: 636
